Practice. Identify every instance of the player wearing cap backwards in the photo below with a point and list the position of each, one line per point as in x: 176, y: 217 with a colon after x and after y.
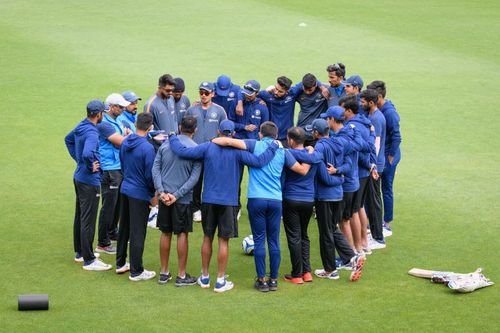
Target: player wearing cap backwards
x: 328, y: 203
x: 174, y: 179
x: 336, y: 74
x: 137, y: 192
x: 280, y: 102
x: 181, y: 101
x: 220, y: 196
x: 208, y: 116
x: 111, y: 135
x: 352, y: 142
x: 265, y: 202
x: 365, y: 164
x: 391, y: 150
x: 129, y: 115
x: 83, y: 144
x: 228, y: 95
x: 369, y: 99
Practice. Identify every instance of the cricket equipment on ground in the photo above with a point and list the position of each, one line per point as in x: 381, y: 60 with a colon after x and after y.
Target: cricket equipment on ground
x: 248, y: 245
x: 463, y: 283
x: 33, y: 302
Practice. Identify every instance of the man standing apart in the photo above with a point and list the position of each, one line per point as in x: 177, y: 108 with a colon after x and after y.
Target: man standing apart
x: 220, y: 197
x: 111, y: 135
x: 392, y: 151
x: 208, y: 118
x: 83, y: 143
x: 137, y: 192
x: 174, y: 179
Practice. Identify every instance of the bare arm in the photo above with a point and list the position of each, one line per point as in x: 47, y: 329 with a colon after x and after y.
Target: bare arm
x: 230, y: 142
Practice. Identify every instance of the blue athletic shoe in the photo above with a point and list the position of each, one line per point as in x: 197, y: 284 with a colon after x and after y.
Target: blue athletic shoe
x: 222, y: 287
x: 204, y: 282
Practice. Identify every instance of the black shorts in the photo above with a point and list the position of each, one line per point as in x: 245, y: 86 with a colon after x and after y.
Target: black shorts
x: 360, y: 195
x: 347, y: 207
x: 176, y: 218
x: 221, y: 218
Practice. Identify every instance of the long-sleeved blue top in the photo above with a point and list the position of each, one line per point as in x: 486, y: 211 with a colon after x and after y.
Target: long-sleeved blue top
x: 329, y: 188
x: 137, y: 156
x: 222, y: 168
x: 365, y: 159
x: 83, y: 146
x: 281, y: 109
x: 297, y: 187
x: 378, y: 121
x: 393, y: 134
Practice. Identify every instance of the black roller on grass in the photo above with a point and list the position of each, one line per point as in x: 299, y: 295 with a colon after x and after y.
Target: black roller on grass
x: 33, y: 302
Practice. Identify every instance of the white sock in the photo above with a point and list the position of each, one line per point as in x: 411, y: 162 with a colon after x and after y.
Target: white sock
x: 221, y: 279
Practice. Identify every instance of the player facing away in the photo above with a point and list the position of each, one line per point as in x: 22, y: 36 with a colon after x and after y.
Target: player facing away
x: 174, y: 179
x: 137, y: 193
x: 83, y: 144
x: 222, y: 169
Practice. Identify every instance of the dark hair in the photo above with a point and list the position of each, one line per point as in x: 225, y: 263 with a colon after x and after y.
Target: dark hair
x: 285, y: 82
x: 188, y: 124
x: 297, y: 134
x: 349, y: 102
x: 309, y: 81
x: 338, y: 69
x: 379, y: 86
x: 144, y: 121
x: 166, y: 79
x: 370, y: 95
x: 179, y: 85
x: 268, y: 129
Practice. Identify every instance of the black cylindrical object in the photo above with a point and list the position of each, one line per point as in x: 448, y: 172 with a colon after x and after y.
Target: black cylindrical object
x: 33, y: 302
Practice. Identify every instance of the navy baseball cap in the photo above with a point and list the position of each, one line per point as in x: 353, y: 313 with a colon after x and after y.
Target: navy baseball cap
x: 94, y: 107
x: 226, y: 127
x: 320, y: 125
x: 130, y: 96
x: 336, y: 112
x: 222, y: 86
x: 208, y: 86
x: 355, y: 81
x: 251, y: 87
x: 179, y: 85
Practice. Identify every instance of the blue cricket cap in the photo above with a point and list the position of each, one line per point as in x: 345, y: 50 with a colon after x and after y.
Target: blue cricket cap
x: 320, y: 125
x: 130, y: 96
x: 336, y: 112
x: 226, y: 127
x: 94, y: 107
x: 355, y: 81
x: 251, y: 87
x: 223, y: 85
x: 179, y: 85
x: 208, y: 86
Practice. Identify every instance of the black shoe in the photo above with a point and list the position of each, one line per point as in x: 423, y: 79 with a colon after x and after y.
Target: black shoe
x: 273, y: 284
x: 261, y: 285
x: 188, y: 280
x: 164, y: 278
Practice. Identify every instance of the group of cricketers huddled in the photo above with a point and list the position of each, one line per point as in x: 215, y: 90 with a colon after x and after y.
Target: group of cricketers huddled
x: 185, y: 161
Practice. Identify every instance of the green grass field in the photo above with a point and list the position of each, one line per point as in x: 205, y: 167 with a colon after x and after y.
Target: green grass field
x: 441, y: 62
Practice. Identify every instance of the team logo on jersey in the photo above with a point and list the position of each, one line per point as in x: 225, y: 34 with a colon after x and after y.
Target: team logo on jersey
x: 213, y: 115
x: 183, y: 106
x: 352, y: 125
x: 231, y: 94
x: 288, y: 99
x: 257, y: 113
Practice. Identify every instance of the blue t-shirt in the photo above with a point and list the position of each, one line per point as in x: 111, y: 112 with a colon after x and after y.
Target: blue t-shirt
x: 378, y: 121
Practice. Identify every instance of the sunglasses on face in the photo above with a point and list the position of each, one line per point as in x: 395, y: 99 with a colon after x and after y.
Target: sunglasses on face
x: 205, y: 93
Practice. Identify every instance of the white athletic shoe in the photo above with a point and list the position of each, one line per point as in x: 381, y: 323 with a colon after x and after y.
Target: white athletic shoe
x: 123, y: 269
x: 386, y: 230
x: 239, y: 214
x: 222, y: 287
x: 197, y: 216
x: 97, y: 265
x: 145, y: 275
x: 374, y: 245
x: 79, y: 257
